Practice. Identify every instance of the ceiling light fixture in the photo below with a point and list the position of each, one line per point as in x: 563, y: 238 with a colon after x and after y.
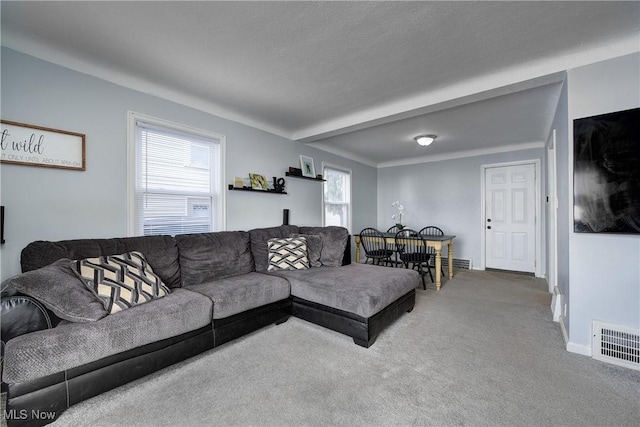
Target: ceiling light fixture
x: 425, y: 140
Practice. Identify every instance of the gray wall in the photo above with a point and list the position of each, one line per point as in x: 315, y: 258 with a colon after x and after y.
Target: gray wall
x: 446, y: 194
x: 604, y: 271
x: 56, y: 204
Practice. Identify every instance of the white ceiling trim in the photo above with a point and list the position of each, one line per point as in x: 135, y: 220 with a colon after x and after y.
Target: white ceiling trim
x: 511, y: 76
x: 462, y: 154
x: 62, y: 58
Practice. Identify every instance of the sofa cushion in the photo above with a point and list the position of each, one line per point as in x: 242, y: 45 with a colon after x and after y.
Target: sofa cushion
x: 259, y: 239
x: 314, y: 248
x: 212, y: 256
x: 120, y: 281
x: 289, y: 253
x: 160, y: 251
x: 334, y: 243
x: 58, y: 288
x: 237, y: 294
x: 356, y: 288
x: 70, y: 345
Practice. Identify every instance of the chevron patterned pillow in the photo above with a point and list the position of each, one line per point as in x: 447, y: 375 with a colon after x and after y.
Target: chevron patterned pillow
x: 288, y: 254
x: 120, y: 281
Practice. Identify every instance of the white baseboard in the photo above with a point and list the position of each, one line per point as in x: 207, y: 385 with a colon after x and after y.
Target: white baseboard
x: 556, y: 304
x: 584, y: 350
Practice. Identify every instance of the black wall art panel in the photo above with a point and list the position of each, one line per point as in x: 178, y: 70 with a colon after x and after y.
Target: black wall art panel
x: 606, y: 173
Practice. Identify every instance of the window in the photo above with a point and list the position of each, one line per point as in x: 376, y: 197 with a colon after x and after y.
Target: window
x: 177, y: 175
x: 337, y: 197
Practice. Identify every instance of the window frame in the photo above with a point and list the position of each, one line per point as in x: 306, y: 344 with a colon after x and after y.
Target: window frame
x: 349, y: 204
x: 132, y: 119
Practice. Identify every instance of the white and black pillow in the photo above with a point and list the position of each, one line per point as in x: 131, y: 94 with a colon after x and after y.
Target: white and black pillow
x: 120, y: 281
x: 288, y: 254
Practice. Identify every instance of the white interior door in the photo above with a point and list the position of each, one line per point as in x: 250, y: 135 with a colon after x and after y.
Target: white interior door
x: 510, y: 223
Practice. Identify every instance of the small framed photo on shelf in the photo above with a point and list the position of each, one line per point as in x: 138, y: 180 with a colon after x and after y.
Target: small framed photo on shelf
x: 258, y: 182
x: 308, y: 169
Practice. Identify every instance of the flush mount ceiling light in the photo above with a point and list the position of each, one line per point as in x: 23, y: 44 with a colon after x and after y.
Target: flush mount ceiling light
x: 425, y: 140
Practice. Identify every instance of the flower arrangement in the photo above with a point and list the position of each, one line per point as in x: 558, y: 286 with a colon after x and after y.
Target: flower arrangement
x: 398, y: 216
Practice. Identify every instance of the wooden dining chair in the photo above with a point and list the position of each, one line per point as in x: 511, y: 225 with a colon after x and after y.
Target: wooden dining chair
x: 432, y: 230
x: 375, y: 247
x: 412, y: 249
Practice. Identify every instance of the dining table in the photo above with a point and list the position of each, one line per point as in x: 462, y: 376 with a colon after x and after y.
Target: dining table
x: 436, y: 242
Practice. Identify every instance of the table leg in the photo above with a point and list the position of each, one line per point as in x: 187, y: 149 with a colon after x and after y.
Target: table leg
x: 450, y: 250
x: 357, y: 240
x: 438, y: 267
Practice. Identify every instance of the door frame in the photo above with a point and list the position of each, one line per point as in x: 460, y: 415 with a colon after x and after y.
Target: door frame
x: 552, y: 214
x: 539, y: 219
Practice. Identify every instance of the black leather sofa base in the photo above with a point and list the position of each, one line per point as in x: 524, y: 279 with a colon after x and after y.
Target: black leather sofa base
x: 39, y: 402
x: 364, y: 331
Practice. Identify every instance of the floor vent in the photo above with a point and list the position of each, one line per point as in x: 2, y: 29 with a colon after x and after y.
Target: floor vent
x: 616, y: 344
x: 457, y: 263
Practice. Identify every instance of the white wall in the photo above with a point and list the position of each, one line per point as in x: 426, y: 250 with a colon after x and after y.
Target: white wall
x: 446, y: 194
x: 55, y: 204
x: 604, y: 268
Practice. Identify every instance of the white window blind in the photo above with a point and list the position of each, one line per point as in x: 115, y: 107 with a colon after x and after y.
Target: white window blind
x: 177, y: 181
x: 337, y: 197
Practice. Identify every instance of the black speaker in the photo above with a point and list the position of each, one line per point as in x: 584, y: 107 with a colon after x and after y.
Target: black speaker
x: 285, y: 216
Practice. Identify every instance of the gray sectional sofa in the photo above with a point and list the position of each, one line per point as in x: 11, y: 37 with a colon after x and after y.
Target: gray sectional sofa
x: 62, y: 345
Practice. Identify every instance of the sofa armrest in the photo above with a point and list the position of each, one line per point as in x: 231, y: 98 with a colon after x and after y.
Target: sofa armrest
x: 21, y: 315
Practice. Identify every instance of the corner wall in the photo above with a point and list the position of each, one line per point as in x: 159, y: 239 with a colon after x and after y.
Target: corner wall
x: 56, y: 204
x: 604, y: 269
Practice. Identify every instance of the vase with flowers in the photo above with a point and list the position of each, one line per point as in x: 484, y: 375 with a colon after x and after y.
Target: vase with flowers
x: 398, y: 215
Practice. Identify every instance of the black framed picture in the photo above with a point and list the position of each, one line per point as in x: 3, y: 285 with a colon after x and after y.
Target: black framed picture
x: 606, y: 173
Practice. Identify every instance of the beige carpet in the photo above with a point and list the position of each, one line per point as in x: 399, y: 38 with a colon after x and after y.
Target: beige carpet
x: 482, y: 351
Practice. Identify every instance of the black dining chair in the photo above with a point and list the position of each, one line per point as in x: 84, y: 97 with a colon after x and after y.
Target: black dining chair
x: 432, y: 230
x: 412, y: 249
x: 393, y: 230
x: 375, y: 247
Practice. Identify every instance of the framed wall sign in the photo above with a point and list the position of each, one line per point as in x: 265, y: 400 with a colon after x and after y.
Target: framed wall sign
x: 30, y: 145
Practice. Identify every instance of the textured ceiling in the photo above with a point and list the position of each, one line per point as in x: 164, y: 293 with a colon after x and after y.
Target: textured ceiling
x: 322, y: 72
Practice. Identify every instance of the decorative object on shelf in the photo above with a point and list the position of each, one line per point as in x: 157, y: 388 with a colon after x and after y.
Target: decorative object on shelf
x: 238, y: 182
x: 398, y: 215
x: 285, y: 216
x: 30, y: 145
x: 278, y: 184
x: 308, y: 169
x: 319, y: 177
x: 294, y: 171
x: 258, y: 182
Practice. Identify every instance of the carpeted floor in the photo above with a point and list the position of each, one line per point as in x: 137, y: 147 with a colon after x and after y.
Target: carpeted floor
x: 482, y: 351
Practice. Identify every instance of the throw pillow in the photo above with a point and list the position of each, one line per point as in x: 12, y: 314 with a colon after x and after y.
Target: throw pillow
x: 314, y: 248
x: 59, y: 289
x: 120, y: 281
x: 288, y: 254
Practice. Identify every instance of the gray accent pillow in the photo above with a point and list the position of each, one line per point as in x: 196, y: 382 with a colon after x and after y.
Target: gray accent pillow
x: 314, y: 248
x: 58, y: 288
x: 334, y: 243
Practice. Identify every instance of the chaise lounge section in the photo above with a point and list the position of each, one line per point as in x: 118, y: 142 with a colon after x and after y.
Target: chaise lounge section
x: 63, y: 346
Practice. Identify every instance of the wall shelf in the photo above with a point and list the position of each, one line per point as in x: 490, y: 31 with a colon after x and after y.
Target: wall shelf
x: 304, y: 177
x: 231, y: 187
